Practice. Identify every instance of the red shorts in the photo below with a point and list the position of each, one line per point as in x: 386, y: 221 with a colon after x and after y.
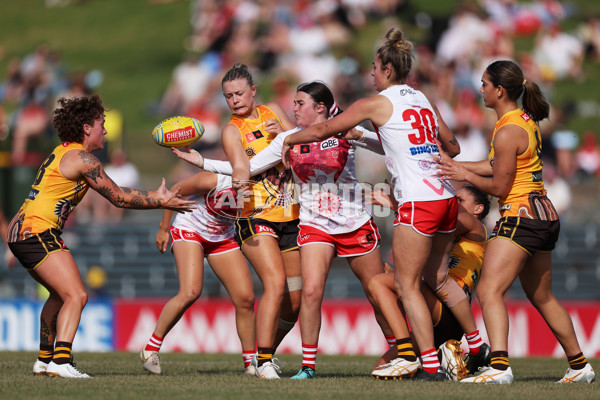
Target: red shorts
x: 429, y: 217
x: 210, y: 248
x: 361, y: 241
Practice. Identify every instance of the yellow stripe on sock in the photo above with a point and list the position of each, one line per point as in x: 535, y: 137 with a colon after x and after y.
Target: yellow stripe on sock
x: 62, y: 355
x: 500, y: 360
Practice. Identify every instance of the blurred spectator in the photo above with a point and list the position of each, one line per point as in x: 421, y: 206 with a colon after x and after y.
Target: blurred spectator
x: 559, y: 191
x: 589, y: 34
x: 558, y: 54
x: 587, y: 156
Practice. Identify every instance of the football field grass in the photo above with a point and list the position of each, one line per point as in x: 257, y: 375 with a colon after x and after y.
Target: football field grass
x: 219, y: 376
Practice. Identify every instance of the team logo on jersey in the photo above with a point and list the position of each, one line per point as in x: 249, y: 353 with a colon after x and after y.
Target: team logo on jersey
x: 250, y: 152
x: 252, y: 136
x: 304, y: 148
x: 188, y: 235
x: 366, y: 240
x: 525, y: 117
x: 329, y: 143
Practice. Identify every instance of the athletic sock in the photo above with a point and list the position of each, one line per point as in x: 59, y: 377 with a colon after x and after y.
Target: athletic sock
x: 46, y: 353
x: 578, y: 361
x: 247, y: 356
x: 474, y: 341
x: 406, y: 350
x: 265, y: 354
x: 62, y: 353
x: 309, y: 355
x: 499, y: 360
x: 391, y: 340
x: 430, y: 361
x: 154, y: 343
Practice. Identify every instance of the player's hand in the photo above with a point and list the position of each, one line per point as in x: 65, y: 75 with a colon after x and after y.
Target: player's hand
x: 172, y: 200
x: 448, y: 169
x: 285, y: 154
x: 351, y: 134
x: 162, y: 240
x: 273, y: 126
x: 191, y: 156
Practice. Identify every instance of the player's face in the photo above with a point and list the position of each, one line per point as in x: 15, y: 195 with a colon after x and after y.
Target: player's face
x: 467, y: 200
x: 95, y: 134
x: 306, y: 111
x: 379, y: 75
x: 488, y: 91
x: 239, y: 96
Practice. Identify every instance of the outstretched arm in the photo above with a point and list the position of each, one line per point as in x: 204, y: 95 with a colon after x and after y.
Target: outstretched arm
x: 77, y: 164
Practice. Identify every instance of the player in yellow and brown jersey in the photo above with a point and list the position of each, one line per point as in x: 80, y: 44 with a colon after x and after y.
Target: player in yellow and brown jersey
x: 525, y: 235
x: 34, y: 232
x: 267, y: 230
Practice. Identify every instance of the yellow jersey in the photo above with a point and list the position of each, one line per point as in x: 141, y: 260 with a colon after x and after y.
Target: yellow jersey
x: 466, y: 259
x: 272, y: 192
x: 528, y: 183
x: 51, y: 199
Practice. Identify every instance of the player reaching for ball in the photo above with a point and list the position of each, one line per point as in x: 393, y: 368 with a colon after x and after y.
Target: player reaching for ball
x: 34, y: 232
x: 333, y: 217
x: 464, y: 268
x: 208, y: 231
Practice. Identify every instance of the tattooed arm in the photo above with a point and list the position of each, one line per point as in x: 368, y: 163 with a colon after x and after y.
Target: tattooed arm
x: 81, y: 164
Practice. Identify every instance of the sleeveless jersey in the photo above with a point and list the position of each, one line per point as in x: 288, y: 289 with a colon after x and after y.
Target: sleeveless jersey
x: 51, y: 199
x: 271, y: 196
x: 466, y: 259
x: 528, y: 182
x: 408, y: 139
x: 205, y: 220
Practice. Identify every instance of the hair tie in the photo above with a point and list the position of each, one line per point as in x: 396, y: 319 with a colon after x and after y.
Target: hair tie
x: 524, y: 82
x: 334, y: 109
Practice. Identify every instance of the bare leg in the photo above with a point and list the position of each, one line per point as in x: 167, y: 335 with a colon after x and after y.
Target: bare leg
x: 232, y: 269
x: 189, y: 259
x: 290, y: 308
x: 536, y: 279
x: 60, y: 275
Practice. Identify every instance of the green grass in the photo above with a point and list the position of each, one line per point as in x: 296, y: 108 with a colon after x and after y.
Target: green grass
x: 203, y: 376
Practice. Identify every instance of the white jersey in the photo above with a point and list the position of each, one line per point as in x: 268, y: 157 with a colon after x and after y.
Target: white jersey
x: 408, y: 139
x: 204, y: 220
x: 329, y: 195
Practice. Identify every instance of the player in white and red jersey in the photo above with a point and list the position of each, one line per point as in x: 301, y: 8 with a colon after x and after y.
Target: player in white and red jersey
x: 208, y: 232
x: 408, y: 126
x: 333, y: 216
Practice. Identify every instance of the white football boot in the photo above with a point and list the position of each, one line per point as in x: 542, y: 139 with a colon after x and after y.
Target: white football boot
x: 65, y: 370
x: 269, y: 370
x: 398, y: 368
x: 452, y: 360
x: 151, y: 361
x: 39, y: 367
x: 250, y: 370
x: 491, y: 375
x: 586, y: 374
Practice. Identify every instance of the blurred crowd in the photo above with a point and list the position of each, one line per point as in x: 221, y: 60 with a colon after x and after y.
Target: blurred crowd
x: 293, y: 41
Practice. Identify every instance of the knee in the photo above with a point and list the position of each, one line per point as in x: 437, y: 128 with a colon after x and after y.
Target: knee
x: 189, y: 296
x: 312, y: 294
x: 245, y: 302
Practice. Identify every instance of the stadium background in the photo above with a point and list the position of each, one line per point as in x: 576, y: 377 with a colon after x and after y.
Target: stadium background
x: 128, y: 52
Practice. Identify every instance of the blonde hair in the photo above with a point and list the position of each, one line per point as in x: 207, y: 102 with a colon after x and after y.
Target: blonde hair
x: 396, y: 52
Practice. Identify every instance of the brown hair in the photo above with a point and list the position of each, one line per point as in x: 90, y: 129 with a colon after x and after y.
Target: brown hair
x: 238, y: 71
x: 397, y: 52
x: 509, y: 75
x: 72, y: 113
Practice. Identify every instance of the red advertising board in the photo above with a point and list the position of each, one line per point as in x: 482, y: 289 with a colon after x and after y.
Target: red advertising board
x: 348, y: 327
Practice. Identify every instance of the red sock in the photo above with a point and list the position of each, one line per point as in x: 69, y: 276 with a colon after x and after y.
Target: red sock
x: 309, y: 355
x: 154, y: 343
x: 474, y: 341
x: 430, y: 361
x: 247, y: 356
x: 391, y: 340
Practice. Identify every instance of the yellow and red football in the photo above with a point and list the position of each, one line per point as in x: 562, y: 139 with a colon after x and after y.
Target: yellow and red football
x: 178, y: 131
